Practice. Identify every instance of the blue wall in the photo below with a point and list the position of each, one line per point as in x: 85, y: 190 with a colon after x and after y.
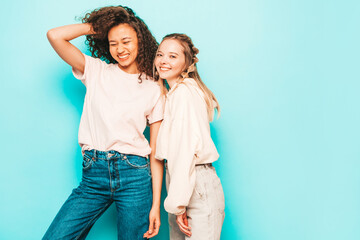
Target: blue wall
x: 285, y: 72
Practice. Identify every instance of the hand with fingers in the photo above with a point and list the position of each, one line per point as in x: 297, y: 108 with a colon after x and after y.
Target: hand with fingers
x: 155, y: 223
x: 183, y: 224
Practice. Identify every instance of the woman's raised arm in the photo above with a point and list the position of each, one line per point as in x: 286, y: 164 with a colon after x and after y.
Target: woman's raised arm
x: 59, y: 39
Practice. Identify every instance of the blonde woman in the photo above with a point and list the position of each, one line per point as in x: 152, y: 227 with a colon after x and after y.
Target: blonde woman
x: 195, y: 200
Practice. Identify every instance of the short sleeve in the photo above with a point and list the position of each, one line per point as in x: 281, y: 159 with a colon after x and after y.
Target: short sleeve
x: 93, y: 67
x: 157, y: 112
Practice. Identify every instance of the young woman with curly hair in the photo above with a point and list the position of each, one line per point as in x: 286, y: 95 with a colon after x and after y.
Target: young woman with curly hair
x: 121, y: 98
x: 195, y: 200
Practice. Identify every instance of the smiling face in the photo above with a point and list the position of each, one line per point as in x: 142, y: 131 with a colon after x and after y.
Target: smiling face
x: 123, y: 46
x: 170, y: 60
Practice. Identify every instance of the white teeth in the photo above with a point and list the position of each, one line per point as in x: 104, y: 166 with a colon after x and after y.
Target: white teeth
x: 124, y: 56
x: 164, y: 68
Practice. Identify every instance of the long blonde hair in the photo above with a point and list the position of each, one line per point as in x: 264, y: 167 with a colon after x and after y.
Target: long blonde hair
x: 190, y: 71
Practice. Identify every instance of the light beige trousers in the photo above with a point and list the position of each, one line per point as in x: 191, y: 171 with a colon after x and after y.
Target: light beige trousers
x: 206, y: 207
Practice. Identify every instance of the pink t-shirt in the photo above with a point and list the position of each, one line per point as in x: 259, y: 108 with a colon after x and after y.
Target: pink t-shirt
x: 117, y: 108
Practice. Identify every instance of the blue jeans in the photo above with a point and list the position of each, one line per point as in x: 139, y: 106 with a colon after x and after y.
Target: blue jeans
x: 107, y: 177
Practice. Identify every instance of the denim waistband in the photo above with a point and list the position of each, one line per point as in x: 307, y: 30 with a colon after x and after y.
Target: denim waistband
x: 106, y: 155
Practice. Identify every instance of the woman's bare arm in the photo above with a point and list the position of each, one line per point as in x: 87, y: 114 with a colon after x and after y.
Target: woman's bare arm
x: 59, y: 39
x: 157, y: 172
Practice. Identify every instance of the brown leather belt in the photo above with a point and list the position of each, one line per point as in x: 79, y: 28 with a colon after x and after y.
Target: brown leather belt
x: 204, y: 164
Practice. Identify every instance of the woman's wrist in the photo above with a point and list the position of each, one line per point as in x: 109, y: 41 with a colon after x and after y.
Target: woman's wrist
x: 156, y: 205
x: 181, y: 212
x: 90, y: 29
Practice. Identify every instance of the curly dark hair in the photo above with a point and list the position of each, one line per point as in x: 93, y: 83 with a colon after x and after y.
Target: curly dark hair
x: 105, y: 18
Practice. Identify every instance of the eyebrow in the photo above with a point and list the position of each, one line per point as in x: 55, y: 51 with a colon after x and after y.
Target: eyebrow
x: 124, y: 38
x: 169, y: 52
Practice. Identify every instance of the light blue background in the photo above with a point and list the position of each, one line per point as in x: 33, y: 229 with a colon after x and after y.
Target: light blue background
x: 285, y: 72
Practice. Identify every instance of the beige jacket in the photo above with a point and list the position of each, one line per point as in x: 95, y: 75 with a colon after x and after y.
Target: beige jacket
x: 184, y: 141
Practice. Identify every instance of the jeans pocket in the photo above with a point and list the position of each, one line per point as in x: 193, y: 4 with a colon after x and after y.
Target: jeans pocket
x: 87, y: 162
x: 136, y: 161
x: 200, y: 188
x: 199, y: 192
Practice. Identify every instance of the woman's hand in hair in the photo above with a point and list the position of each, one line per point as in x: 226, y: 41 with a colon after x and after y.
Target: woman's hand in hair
x: 183, y: 224
x: 59, y: 39
x: 155, y: 223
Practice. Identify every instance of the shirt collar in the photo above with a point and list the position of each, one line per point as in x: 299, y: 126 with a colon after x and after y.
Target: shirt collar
x: 173, y: 88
